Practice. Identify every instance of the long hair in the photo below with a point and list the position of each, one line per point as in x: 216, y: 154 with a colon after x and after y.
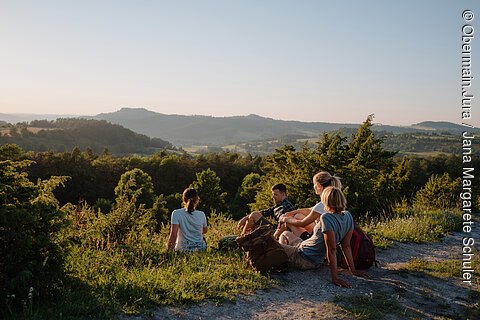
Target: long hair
x: 190, y: 199
x: 325, y: 179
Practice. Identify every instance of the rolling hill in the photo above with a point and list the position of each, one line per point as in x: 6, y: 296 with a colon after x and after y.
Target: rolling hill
x: 195, y: 130
x: 219, y: 131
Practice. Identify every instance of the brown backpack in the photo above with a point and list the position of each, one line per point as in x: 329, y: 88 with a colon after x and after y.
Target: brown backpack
x: 263, y: 252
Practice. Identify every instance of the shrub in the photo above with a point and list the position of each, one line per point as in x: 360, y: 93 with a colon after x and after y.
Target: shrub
x: 212, y: 199
x: 102, y: 204
x: 136, y: 182
x: 31, y: 258
x: 440, y: 192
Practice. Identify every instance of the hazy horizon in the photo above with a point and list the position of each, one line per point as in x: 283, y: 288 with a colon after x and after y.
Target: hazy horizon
x: 303, y: 61
x: 52, y: 115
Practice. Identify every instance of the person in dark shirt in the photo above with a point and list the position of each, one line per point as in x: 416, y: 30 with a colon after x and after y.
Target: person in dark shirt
x: 257, y: 218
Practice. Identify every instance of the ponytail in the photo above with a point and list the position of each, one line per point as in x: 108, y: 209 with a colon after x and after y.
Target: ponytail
x: 325, y: 179
x: 190, y: 199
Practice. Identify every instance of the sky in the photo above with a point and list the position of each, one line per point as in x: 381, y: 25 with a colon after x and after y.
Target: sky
x: 328, y: 61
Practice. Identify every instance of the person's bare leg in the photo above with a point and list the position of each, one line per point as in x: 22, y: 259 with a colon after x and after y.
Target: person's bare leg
x: 282, y: 238
x: 281, y: 227
x: 288, y: 237
x: 309, y: 227
x: 300, y: 230
x: 297, y: 230
x: 252, y: 219
x: 242, y: 222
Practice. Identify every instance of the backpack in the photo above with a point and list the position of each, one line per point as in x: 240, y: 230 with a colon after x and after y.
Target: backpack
x: 263, y: 252
x: 363, y: 251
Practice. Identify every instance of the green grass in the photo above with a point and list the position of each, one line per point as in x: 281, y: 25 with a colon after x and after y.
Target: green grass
x: 418, y: 228
x: 441, y: 269
x: 119, y: 286
x: 133, y: 280
x: 373, y: 306
x: 450, y: 268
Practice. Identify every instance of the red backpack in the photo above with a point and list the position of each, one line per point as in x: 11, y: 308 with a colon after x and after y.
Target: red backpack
x: 363, y: 251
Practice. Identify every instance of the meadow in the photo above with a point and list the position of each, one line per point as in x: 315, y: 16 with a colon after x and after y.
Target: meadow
x: 134, y: 279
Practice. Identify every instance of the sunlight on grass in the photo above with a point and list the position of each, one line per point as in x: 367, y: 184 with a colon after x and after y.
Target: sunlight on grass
x: 419, y: 228
x: 133, y: 279
x: 450, y: 268
x: 115, y: 280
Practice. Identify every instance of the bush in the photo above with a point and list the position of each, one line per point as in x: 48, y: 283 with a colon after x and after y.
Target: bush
x: 136, y: 182
x: 102, y: 204
x: 31, y: 261
x: 212, y: 199
x: 440, y: 192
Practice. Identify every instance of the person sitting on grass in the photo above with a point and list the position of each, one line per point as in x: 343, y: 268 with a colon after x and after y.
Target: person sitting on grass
x: 301, y: 222
x: 335, y: 226
x: 257, y: 218
x: 188, y: 225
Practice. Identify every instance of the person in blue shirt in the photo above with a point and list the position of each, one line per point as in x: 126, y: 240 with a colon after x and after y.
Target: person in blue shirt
x: 335, y: 226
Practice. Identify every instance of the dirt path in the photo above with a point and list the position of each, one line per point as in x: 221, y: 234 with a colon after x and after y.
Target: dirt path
x: 390, y: 293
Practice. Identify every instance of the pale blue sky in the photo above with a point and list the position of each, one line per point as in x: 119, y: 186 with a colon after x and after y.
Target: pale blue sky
x: 292, y: 60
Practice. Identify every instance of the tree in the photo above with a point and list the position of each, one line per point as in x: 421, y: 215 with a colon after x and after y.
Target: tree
x: 249, y: 188
x: 365, y: 175
x: 160, y: 210
x: 440, y: 192
x: 134, y: 181
x: 371, y: 179
x: 245, y: 194
x: 29, y: 224
x: 10, y: 152
x: 208, y: 188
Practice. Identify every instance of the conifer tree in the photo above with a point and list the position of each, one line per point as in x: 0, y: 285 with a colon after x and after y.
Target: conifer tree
x: 212, y: 198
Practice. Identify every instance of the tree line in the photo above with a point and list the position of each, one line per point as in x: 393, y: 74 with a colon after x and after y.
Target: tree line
x: 375, y: 179
x: 404, y: 143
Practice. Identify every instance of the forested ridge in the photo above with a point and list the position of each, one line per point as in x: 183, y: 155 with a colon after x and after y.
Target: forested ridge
x: 221, y: 131
x: 97, y: 135
x: 65, y: 134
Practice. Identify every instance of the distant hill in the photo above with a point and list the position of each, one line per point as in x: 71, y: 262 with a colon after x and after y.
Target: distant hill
x: 210, y: 131
x: 185, y: 130
x: 65, y: 134
x: 440, y: 126
x: 27, y: 117
x: 219, y: 131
